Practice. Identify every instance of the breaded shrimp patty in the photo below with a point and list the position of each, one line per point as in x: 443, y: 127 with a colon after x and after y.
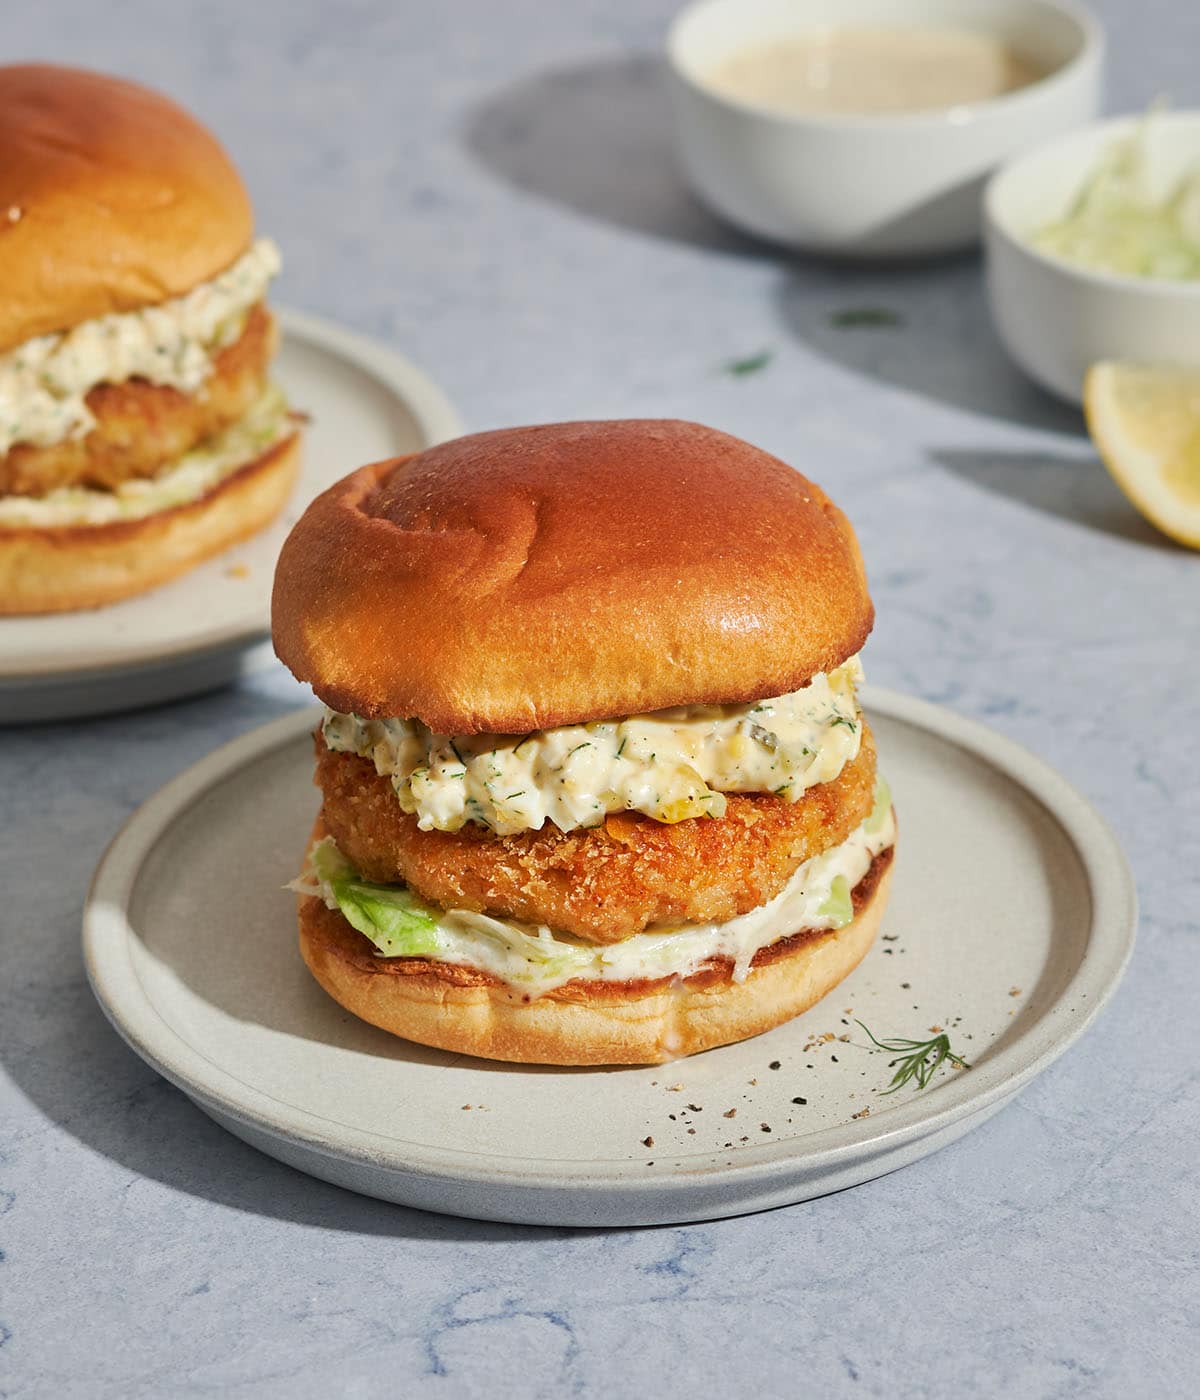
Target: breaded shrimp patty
x: 140, y: 426
x: 603, y: 883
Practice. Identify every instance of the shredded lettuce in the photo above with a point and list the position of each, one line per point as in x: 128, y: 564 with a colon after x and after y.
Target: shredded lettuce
x: 327, y: 862
x: 398, y: 923
x: 391, y: 916
x: 883, y: 805
x: 1118, y: 225
x: 838, y: 905
x: 401, y: 925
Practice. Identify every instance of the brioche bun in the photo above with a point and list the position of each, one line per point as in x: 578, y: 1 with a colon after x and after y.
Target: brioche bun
x: 534, y: 577
x: 587, y: 1023
x: 63, y: 568
x: 111, y: 198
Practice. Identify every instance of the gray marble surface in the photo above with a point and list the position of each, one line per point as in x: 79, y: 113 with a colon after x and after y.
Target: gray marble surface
x: 489, y: 187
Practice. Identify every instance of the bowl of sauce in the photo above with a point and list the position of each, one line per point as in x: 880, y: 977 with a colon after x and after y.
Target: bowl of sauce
x: 867, y: 127
x: 1092, y: 245
x: 873, y: 71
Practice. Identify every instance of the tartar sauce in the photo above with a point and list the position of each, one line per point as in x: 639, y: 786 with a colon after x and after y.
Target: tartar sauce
x: 534, y: 959
x: 43, y: 382
x: 193, y: 475
x: 671, y: 764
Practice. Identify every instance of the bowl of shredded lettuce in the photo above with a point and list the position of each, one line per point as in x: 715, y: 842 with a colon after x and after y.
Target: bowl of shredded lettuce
x: 1093, y: 249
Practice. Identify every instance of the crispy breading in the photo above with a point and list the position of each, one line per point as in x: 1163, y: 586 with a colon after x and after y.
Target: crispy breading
x: 604, y: 883
x: 140, y: 426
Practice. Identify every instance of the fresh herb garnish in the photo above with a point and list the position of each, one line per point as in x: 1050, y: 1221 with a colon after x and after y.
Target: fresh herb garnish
x: 457, y: 755
x: 854, y: 316
x: 841, y: 719
x: 587, y: 744
x: 748, y: 364
x: 511, y: 795
x: 621, y: 749
x: 518, y: 747
x: 917, y: 1059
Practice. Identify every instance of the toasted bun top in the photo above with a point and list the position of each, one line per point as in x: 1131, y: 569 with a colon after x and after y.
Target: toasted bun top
x: 532, y: 577
x: 111, y: 198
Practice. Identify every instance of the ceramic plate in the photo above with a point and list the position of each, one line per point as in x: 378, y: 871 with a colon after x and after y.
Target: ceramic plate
x: 1012, y: 917
x: 204, y: 629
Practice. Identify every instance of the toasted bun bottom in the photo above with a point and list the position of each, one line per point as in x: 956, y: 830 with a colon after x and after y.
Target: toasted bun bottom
x: 587, y: 1023
x: 65, y: 568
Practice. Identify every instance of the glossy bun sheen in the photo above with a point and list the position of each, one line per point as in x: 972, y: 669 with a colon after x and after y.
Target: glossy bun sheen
x: 111, y: 198
x: 532, y: 577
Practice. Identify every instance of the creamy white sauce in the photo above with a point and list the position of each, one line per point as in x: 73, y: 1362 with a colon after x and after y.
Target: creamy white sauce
x: 671, y: 765
x: 871, y: 72
x: 187, y: 479
x: 43, y: 382
x: 533, y: 959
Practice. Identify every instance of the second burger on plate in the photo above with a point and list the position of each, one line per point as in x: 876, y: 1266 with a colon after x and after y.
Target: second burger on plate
x: 596, y: 785
x: 139, y: 429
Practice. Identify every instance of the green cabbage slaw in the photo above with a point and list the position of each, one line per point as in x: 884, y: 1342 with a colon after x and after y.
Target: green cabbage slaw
x: 1117, y: 224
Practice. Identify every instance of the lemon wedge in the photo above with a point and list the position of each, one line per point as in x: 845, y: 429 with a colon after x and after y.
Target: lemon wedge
x: 1145, y: 422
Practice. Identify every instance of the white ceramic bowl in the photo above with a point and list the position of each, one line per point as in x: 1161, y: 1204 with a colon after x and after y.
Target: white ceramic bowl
x: 890, y: 186
x: 1057, y: 318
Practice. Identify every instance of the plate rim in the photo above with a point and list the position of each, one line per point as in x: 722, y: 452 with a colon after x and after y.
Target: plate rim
x: 431, y: 410
x: 107, y: 937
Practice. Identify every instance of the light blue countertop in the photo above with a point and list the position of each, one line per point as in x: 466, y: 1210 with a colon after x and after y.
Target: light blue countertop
x: 489, y: 187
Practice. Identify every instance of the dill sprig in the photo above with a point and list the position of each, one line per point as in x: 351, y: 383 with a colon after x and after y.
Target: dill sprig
x: 865, y: 316
x: 748, y: 364
x: 917, y: 1059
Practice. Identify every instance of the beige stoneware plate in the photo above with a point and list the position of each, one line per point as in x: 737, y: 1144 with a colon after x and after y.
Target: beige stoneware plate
x: 1011, y: 921
x: 206, y: 628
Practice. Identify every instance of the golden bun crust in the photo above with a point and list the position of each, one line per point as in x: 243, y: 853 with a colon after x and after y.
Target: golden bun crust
x: 587, y: 1023
x: 533, y: 577
x: 111, y: 198
x: 67, y: 568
